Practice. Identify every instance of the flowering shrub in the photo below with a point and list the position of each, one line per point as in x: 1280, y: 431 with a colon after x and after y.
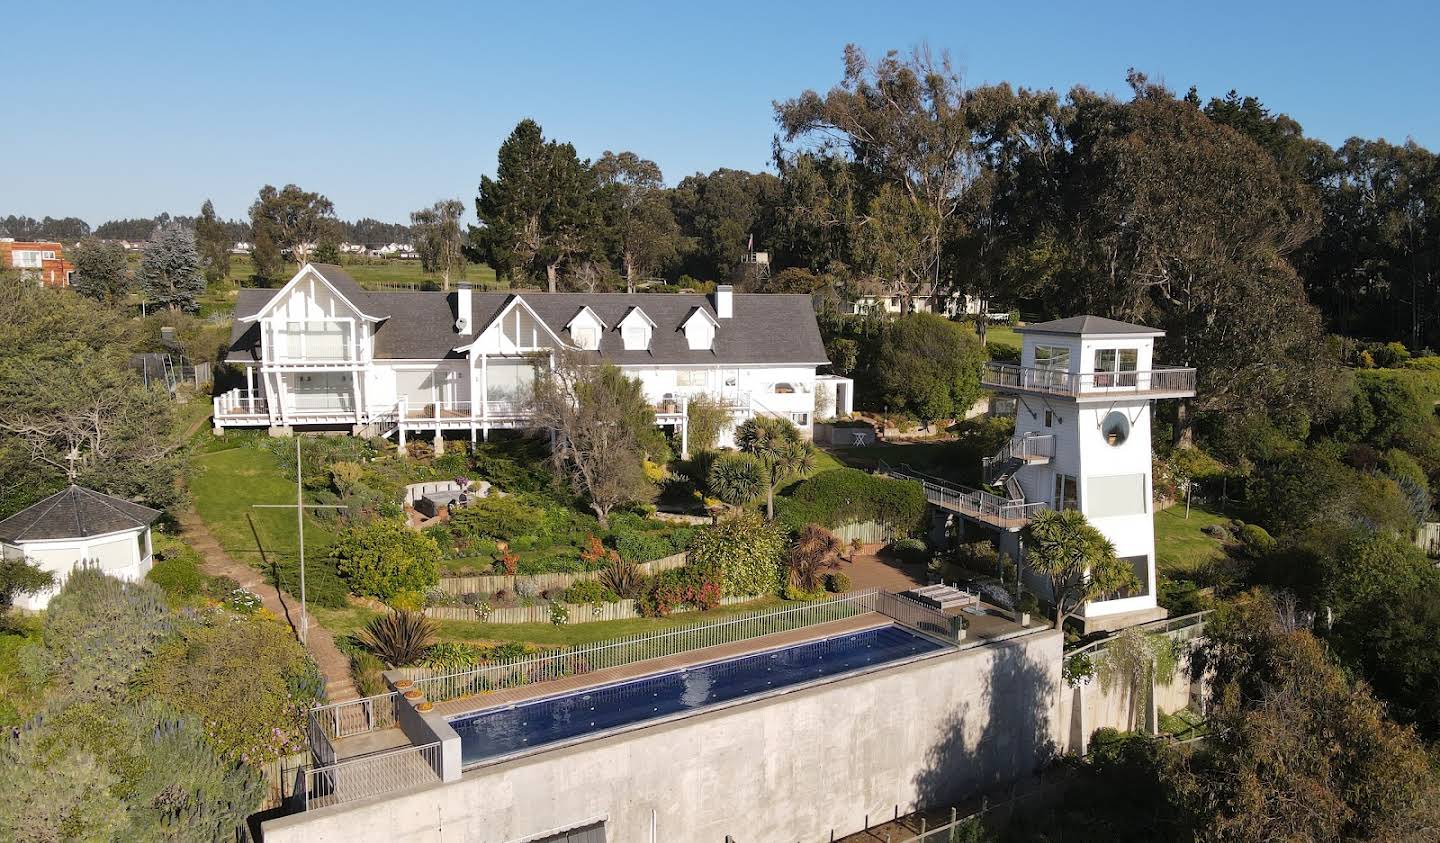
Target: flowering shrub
x: 688, y: 586
x: 559, y: 614
x: 242, y: 601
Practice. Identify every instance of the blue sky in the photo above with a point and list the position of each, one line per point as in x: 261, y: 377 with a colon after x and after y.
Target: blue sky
x: 131, y: 109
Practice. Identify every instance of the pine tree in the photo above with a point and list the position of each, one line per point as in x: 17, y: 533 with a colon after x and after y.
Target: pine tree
x: 213, y: 242
x: 100, y: 271
x: 170, y: 269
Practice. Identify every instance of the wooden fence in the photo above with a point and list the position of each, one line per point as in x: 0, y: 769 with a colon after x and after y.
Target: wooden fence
x: 281, y: 778
x: 869, y: 532
x: 540, y: 612
x: 461, y: 586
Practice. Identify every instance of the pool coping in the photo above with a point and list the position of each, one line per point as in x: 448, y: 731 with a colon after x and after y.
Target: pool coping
x: 945, y: 648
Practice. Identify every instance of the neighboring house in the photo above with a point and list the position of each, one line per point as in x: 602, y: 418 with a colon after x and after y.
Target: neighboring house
x: 241, y: 247
x: 321, y: 352
x: 79, y: 526
x: 41, y: 261
x: 926, y: 300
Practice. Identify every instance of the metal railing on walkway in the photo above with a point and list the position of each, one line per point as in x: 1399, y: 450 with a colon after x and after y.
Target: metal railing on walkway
x: 1168, y: 380
x: 1006, y: 513
x: 372, y: 775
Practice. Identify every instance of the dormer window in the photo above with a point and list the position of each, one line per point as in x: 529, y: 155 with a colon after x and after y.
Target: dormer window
x: 700, y: 330
x: 585, y: 329
x: 587, y: 337
x: 635, y: 330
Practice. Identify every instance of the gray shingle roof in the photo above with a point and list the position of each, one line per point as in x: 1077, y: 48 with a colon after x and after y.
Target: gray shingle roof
x: 1090, y: 325
x: 764, y: 329
x: 75, y: 512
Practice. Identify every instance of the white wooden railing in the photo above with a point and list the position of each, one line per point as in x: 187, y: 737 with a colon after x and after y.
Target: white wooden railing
x: 1027, y: 447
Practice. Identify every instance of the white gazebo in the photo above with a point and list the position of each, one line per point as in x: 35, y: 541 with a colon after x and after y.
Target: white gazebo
x: 79, y: 525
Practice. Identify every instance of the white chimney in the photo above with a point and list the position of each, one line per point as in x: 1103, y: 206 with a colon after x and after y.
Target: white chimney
x: 462, y: 311
x: 724, y: 301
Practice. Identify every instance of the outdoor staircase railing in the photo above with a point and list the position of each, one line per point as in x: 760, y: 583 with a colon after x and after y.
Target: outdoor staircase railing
x: 1018, y: 452
x: 1006, y: 512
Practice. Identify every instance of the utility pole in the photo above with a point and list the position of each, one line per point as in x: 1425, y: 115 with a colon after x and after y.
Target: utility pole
x: 299, y: 506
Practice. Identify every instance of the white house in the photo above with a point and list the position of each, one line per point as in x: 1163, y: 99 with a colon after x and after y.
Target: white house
x: 78, y: 526
x: 323, y: 353
x: 924, y: 300
x: 1084, y: 388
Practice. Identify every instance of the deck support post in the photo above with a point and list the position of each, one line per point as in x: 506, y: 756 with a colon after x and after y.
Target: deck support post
x: 250, y: 387
x: 401, y: 433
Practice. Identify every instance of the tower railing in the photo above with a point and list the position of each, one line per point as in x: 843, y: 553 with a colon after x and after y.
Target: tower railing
x: 1172, y: 381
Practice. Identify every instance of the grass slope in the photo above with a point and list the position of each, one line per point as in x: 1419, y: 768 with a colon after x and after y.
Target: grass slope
x: 1180, y: 547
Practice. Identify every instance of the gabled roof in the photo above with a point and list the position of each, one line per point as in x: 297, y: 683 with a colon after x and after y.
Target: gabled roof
x: 75, y: 513
x: 766, y: 328
x: 1085, y: 325
x: 339, y: 282
x: 515, y: 301
x: 635, y: 311
x: 584, y: 309
x: 700, y: 311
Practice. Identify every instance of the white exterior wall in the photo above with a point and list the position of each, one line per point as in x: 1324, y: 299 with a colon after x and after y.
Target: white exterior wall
x: 116, y: 554
x: 1081, y: 451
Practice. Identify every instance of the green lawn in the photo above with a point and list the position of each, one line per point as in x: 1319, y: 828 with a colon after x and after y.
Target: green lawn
x: 375, y: 273
x: 1002, y: 335
x: 1180, y: 547
x: 544, y: 634
x: 225, y: 484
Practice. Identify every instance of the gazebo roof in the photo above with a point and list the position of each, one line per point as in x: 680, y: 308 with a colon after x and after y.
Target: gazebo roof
x: 74, y: 513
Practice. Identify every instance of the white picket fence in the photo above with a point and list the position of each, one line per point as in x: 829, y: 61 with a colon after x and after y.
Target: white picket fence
x: 489, y: 584
x: 540, y: 612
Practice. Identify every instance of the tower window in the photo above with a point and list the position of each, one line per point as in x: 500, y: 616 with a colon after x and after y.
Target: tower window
x: 1049, y: 418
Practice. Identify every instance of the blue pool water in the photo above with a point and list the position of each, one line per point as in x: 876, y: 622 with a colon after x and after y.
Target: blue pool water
x: 499, y: 732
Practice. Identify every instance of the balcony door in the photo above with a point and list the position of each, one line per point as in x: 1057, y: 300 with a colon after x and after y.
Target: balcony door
x: 1116, y: 367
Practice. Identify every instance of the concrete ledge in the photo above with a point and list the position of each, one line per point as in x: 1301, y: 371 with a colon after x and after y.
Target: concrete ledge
x: 427, y: 727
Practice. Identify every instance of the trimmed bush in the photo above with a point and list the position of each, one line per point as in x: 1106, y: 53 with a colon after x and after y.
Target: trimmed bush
x: 911, y: 550
x: 384, y: 558
x: 847, y: 496
x: 176, y: 568
x: 588, y: 591
x: 745, y: 552
x: 795, y: 592
x: 494, y: 517
x: 837, y: 583
x: 1257, y: 542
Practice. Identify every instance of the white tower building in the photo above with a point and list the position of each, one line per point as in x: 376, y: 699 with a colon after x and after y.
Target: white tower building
x: 1083, y: 389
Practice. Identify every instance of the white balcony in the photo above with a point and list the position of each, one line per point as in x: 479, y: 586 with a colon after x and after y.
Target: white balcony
x: 1154, y: 383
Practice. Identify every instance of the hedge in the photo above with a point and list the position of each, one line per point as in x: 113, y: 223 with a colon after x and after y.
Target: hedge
x: 848, y: 496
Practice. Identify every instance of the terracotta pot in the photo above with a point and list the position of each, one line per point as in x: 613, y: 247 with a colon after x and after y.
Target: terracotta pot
x: 403, y: 684
x: 1112, y: 438
x: 423, y: 707
x: 414, y: 694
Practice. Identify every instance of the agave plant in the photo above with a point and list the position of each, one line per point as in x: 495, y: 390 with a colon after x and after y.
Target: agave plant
x: 400, y: 638
x: 621, y: 577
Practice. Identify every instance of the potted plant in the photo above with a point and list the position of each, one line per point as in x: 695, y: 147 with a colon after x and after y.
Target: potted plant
x: 1027, y: 606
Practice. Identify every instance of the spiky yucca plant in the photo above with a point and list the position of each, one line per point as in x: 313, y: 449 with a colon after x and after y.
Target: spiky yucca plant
x: 620, y: 576
x: 400, y: 638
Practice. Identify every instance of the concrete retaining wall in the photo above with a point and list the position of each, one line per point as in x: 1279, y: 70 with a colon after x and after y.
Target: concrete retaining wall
x: 798, y: 766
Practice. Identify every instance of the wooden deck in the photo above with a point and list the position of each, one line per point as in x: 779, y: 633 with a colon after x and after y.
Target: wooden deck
x: 511, y: 696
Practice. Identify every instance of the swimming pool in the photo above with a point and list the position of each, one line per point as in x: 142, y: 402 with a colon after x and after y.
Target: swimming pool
x: 491, y: 734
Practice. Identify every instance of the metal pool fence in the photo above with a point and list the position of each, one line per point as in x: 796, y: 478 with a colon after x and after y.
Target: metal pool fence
x: 372, y: 775
x: 614, y: 653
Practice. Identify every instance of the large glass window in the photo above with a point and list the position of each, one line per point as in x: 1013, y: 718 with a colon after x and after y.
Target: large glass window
x: 1053, y: 361
x: 1067, y: 492
x: 509, y: 381
x: 1115, y: 366
x: 690, y: 377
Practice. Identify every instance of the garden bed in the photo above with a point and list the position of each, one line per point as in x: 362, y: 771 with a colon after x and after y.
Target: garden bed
x: 573, y: 613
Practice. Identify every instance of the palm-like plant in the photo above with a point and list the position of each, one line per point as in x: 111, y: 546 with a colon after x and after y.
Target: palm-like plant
x: 735, y: 478
x: 1076, y: 559
x: 400, y: 638
x: 783, y: 453
x: 620, y: 576
x: 816, y: 550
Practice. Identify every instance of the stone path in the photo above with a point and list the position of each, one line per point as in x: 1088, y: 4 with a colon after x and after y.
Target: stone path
x: 334, y: 665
